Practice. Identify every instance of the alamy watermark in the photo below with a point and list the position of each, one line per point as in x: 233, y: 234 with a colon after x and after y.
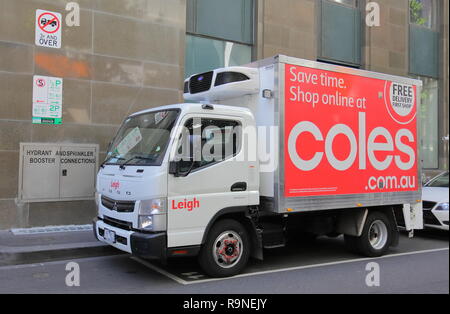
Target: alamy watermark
x: 73, y: 15
x: 73, y: 276
x: 373, y: 15
x: 373, y: 275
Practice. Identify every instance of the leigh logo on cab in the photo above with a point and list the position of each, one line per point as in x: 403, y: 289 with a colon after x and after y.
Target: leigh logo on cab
x: 341, y: 126
x: 115, y: 185
x: 189, y: 205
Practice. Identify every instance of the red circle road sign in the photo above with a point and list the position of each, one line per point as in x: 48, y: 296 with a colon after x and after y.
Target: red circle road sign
x: 43, y: 24
x: 40, y: 82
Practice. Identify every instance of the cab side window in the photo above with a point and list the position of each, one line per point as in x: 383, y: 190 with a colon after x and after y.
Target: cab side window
x: 206, y: 141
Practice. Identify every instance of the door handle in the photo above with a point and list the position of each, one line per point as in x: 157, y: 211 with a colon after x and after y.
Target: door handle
x: 239, y: 187
x: 64, y: 173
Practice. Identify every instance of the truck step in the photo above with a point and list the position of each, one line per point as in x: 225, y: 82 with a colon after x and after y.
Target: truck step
x: 269, y: 247
x: 273, y: 236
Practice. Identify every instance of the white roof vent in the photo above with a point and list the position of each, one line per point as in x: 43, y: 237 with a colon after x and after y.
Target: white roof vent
x: 220, y: 84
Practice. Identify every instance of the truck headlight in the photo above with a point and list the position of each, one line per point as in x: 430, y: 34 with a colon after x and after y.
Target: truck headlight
x: 152, y: 215
x: 146, y: 222
x: 153, y: 207
x: 442, y: 207
x: 97, y: 197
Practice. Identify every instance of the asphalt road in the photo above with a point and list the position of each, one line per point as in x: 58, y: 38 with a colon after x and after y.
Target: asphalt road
x: 419, y: 265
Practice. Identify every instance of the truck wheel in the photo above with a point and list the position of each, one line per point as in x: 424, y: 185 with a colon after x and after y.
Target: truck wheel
x: 376, y: 236
x: 226, y: 250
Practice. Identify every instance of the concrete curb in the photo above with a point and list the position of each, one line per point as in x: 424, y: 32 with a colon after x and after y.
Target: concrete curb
x: 37, y: 248
x: 30, y: 255
x: 47, y: 248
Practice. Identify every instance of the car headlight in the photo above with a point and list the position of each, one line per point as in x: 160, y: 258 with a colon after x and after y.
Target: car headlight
x: 152, y: 215
x: 442, y: 206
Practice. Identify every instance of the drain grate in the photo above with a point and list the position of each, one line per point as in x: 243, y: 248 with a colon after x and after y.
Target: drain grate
x: 51, y: 229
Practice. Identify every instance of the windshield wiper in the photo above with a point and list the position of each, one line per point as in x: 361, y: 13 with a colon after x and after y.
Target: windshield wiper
x: 126, y: 163
x: 108, y: 159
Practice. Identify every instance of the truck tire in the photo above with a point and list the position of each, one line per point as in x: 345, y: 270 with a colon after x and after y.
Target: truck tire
x: 376, y: 237
x: 226, y: 250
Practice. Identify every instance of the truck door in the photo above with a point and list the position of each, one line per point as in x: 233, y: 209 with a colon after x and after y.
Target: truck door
x: 210, y: 147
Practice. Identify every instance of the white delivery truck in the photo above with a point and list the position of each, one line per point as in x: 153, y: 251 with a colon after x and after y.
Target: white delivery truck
x: 281, y: 144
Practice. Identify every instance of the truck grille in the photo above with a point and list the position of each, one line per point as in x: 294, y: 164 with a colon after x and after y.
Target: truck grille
x: 230, y: 77
x: 118, y: 206
x: 200, y: 83
x: 125, y: 225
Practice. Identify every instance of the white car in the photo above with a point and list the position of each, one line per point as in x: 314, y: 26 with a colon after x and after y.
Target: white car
x: 435, y: 202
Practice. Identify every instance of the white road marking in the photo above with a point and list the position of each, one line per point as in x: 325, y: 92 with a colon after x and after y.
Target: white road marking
x: 189, y: 274
x: 158, y: 270
x: 193, y: 275
x: 184, y: 282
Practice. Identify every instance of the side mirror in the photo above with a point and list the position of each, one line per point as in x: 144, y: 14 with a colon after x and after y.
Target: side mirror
x: 173, y: 168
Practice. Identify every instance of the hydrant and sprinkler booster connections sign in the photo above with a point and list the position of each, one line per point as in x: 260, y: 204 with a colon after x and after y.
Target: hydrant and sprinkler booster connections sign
x: 57, y: 172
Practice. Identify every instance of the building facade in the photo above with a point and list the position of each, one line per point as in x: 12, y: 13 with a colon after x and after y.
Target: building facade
x: 127, y: 55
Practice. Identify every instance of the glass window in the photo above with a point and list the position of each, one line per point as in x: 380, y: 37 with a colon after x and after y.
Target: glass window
x: 219, y: 34
x: 423, y: 13
x: 440, y: 181
x: 428, y: 123
x: 206, y: 141
x: 228, y: 20
x: 423, y: 38
x: 423, y: 51
x: 351, y: 3
x: 340, y: 40
x: 205, y: 54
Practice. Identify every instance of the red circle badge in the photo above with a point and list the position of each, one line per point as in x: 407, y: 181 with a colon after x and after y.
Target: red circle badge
x: 401, y: 101
x: 49, y: 23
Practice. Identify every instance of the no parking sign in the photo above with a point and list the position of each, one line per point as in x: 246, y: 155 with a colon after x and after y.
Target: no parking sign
x: 48, y: 29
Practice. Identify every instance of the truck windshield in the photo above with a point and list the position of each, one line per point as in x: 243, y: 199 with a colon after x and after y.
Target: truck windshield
x: 142, y: 139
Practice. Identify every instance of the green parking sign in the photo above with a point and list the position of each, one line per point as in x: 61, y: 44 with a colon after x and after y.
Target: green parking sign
x: 47, y: 100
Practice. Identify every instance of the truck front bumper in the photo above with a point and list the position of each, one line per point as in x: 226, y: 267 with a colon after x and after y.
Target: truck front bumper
x: 145, y: 245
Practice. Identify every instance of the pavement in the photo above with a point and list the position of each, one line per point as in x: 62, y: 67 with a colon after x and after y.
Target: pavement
x: 26, y: 248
